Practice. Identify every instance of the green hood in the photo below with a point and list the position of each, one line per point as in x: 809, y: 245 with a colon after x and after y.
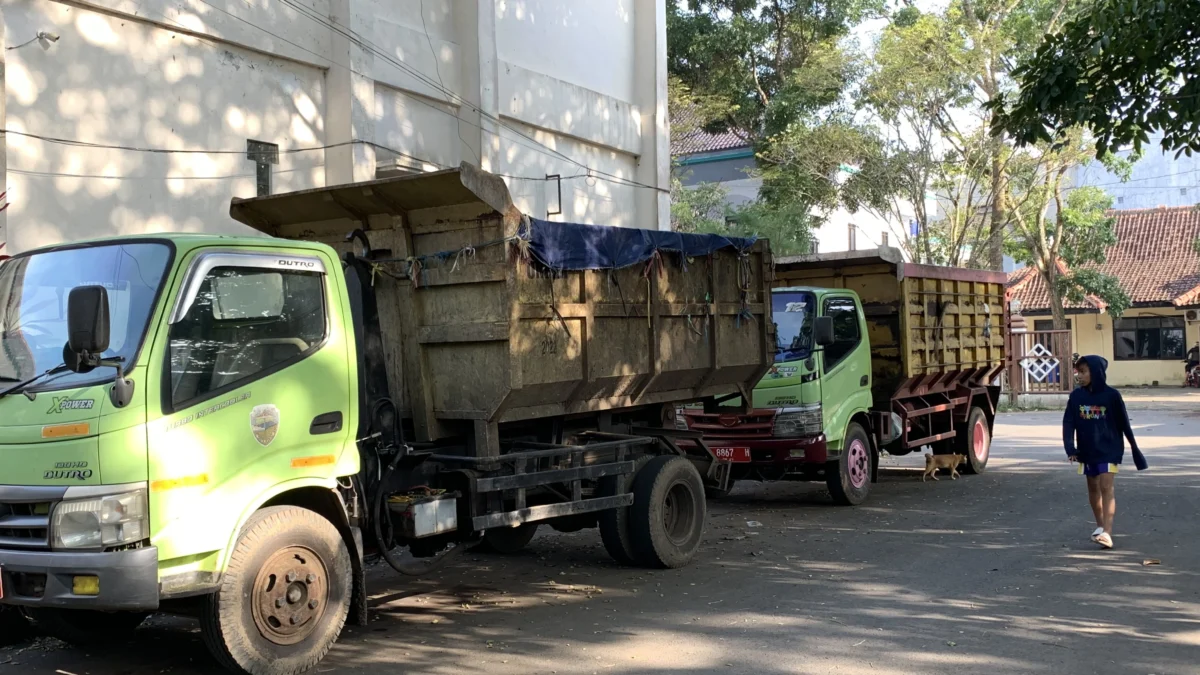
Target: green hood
x: 53, y: 439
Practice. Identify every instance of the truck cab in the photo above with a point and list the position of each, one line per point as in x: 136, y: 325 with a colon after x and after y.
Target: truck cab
x: 808, y: 411
x: 127, y: 478
x: 872, y: 354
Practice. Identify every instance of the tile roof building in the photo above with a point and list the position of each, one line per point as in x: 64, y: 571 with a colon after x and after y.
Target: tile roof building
x: 1156, y: 262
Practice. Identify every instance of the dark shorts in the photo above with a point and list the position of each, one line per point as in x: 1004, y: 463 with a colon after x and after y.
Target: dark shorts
x: 1097, y: 469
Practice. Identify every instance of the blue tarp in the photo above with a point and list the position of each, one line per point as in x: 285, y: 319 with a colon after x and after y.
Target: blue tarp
x: 570, y: 246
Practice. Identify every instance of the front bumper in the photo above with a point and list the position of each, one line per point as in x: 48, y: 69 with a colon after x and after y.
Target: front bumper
x: 128, y: 579
x: 782, y: 451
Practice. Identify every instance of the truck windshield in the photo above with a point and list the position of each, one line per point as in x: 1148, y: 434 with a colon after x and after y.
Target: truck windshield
x: 793, y: 312
x: 33, y: 306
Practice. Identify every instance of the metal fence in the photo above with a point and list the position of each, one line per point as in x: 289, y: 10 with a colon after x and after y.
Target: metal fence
x: 1041, y: 362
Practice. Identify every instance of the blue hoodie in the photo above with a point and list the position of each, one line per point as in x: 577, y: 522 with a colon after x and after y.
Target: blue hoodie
x: 1096, y: 416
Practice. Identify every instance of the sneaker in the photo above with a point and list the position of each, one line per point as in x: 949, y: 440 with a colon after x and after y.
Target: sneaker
x: 1105, y: 540
x: 1099, y: 531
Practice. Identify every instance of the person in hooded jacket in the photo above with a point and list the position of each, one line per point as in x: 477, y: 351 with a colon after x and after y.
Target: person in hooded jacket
x: 1095, y: 427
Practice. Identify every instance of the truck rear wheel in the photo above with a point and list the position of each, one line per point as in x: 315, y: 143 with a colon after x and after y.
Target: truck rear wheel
x: 614, y: 523
x: 976, y: 442
x: 849, y: 476
x: 666, y: 521
x: 508, y: 540
x: 87, y: 628
x: 284, y: 597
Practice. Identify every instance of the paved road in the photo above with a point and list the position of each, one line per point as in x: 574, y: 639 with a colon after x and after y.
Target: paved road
x: 989, y: 574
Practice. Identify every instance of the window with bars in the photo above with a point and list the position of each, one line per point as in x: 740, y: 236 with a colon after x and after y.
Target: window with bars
x: 264, y: 155
x: 1149, y: 338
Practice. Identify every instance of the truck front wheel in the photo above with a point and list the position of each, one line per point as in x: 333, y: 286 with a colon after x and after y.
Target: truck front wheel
x: 976, y: 442
x: 284, y: 597
x: 849, y: 476
x: 666, y: 521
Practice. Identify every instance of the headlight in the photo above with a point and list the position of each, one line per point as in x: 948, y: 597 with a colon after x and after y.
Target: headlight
x: 802, y: 421
x: 101, y: 522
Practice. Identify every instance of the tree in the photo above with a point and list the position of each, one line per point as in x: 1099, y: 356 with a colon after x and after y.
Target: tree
x: 928, y: 86
x: 702, y: 208
x: 782, y: 70
x: 1122, y: 68
x: 1063, y: 232
x: 917, y: 87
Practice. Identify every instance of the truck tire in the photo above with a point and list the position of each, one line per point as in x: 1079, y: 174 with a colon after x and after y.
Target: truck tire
x: 976, y: 442
x: 87, y: 628
x: 14, y: 627
x: 288, y: 560
x: 614, y: 523
x: 507, y: 540
x: 849, y: 476
x: 666, y: 521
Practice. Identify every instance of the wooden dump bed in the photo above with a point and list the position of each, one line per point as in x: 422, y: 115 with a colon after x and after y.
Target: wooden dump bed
x: 475, y: 333
x: 931, y: 328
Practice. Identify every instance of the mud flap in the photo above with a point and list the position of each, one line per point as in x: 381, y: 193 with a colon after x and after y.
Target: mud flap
x: 358, y: 598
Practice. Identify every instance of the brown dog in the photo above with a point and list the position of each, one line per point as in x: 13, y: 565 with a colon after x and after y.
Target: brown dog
x: 935, y: 462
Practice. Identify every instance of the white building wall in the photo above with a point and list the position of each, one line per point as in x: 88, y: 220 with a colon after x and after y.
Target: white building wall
x: 510, y: 85
x: 113, y: 81
x: 1158, y: 179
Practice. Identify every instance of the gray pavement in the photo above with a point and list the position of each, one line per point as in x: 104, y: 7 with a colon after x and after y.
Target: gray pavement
x: 988, y: 574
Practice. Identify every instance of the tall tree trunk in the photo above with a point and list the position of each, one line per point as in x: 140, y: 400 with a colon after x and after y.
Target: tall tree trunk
x: 1050, y: 276
x: 995, y: 241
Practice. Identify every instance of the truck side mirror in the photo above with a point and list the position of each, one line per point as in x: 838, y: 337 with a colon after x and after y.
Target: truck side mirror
x: 87, y: 327
x: 823, y: 331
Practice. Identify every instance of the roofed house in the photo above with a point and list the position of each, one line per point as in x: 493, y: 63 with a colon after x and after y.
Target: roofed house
x: 1156, y: 262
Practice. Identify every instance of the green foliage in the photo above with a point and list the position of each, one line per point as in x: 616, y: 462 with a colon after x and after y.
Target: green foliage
x: 700, y: 208
x: 1122, y: 68
x: 789, y: 227
x: 703, y: 209
x: 1088, y: 231
x: 776, y: 72
x: 1079, y: 284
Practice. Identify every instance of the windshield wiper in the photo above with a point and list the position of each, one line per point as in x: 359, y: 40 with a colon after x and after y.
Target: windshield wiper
x: 25, y: 383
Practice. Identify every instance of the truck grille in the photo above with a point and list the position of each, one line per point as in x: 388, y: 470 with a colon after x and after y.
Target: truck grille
x: 732, y: 427
x: 25, y: 515
x: 25, y: 525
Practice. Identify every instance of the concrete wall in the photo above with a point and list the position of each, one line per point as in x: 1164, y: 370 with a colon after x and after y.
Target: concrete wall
x: 524, y: 88
x: 1093, y: 334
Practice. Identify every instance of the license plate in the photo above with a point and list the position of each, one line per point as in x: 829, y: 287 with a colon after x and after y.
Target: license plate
x: 738, y: 455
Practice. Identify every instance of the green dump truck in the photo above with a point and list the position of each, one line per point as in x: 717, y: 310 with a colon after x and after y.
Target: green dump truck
x: 873, y: 354
x: 405, y: 367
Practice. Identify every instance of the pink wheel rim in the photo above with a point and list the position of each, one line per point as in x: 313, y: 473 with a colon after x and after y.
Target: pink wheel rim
x: 859, y: 463
x: 979, y: 437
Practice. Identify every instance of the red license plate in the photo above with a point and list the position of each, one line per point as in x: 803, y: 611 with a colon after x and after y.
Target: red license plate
x: 738, y: 455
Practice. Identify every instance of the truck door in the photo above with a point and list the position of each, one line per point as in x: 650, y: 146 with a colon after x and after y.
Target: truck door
x: 844, y: 374
x: 255, y: 392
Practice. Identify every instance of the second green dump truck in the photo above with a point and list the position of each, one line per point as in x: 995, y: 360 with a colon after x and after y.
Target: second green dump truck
x: 873, y: 354
x: 227, y: 426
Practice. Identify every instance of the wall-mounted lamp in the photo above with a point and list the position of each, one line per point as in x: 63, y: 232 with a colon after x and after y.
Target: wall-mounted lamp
x: 44, y: 36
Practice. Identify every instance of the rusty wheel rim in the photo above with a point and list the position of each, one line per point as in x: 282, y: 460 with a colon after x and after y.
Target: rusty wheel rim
x: 290, y: 594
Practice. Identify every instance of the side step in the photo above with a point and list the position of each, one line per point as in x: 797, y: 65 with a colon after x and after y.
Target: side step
x: 536, y: 513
